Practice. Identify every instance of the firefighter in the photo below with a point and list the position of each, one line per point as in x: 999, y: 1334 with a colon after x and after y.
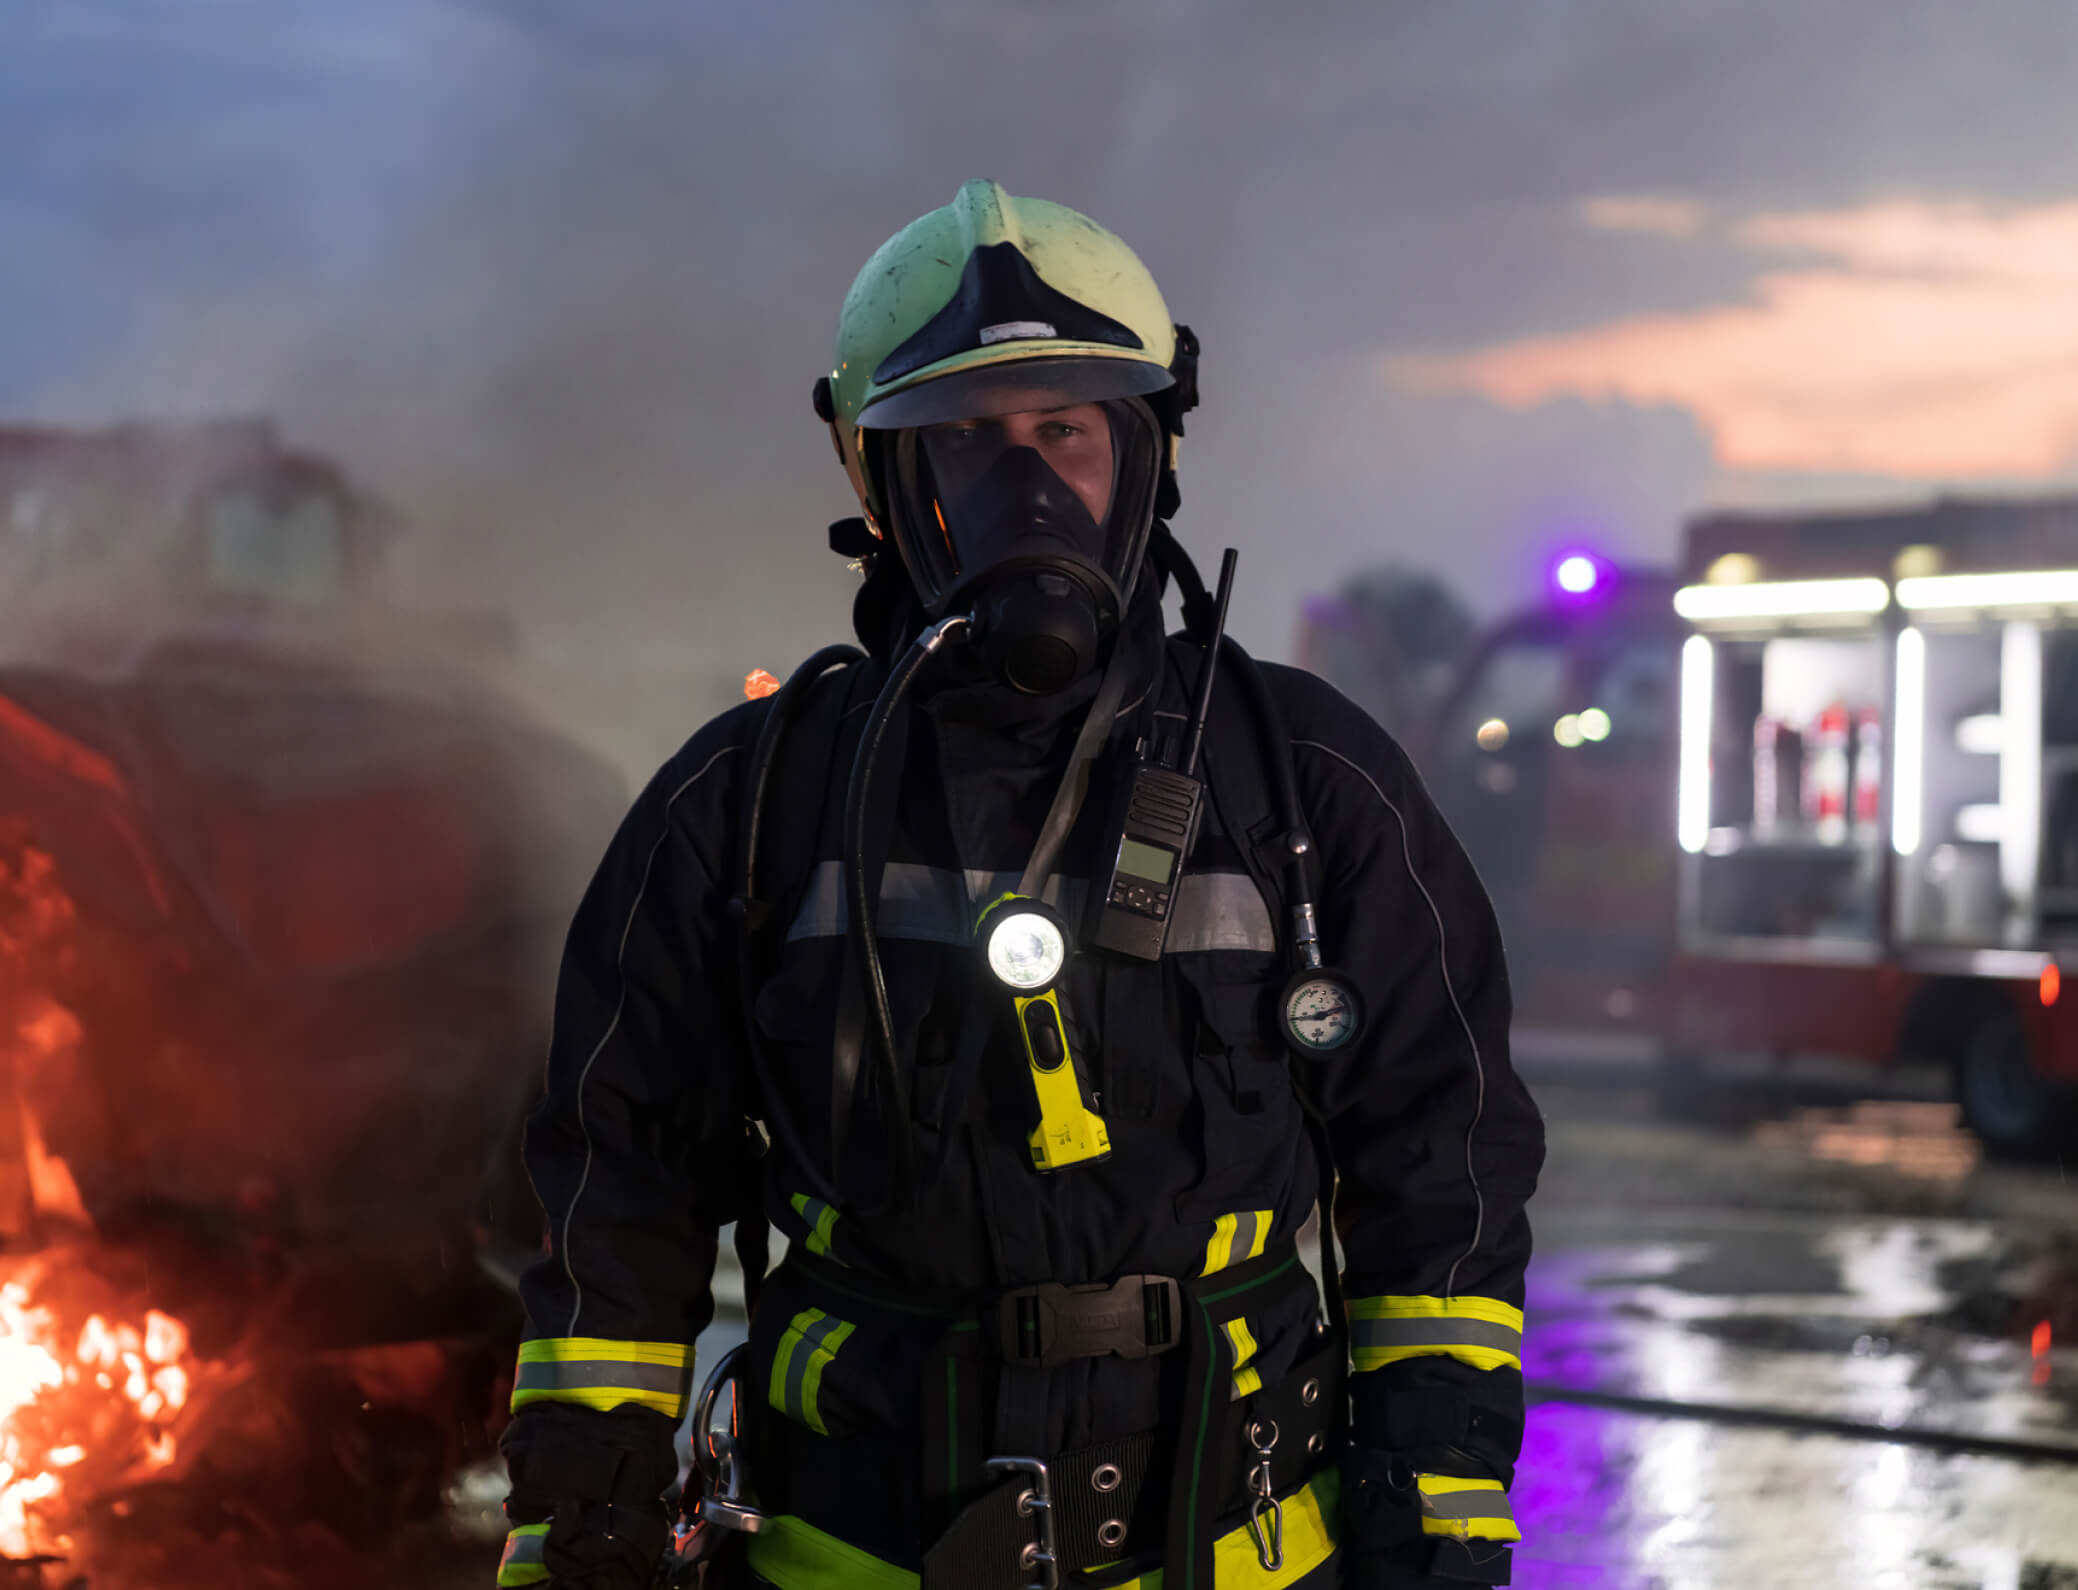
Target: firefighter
x: 1155, y: 959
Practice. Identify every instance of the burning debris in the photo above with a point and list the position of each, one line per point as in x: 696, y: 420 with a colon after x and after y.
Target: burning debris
x: 339, y: 1394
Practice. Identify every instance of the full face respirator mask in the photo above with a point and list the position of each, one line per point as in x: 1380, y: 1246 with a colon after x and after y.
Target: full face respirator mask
x: 1034, y: 518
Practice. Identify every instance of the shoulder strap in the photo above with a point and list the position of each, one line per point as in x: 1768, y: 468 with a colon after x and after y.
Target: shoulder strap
x: 754, y: 916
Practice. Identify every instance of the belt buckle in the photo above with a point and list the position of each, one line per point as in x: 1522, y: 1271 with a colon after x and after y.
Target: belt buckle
x: 1041, y: 1556
x: 1136, y: 1316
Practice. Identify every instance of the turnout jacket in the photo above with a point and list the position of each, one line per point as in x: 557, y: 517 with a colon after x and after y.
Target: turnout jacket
x: 639, y: 1149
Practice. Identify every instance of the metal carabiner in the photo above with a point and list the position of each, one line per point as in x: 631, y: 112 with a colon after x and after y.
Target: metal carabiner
x: 1268, y: 1537
x: 725, y: 1492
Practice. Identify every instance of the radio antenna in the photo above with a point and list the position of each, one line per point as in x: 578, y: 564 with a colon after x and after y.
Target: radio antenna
x: 1206, y: 669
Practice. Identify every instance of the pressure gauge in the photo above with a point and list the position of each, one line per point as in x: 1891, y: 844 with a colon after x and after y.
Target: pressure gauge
x: 1321, y: 1011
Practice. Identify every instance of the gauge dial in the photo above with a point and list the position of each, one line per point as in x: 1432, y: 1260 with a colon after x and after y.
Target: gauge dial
x: 1321, y: 1012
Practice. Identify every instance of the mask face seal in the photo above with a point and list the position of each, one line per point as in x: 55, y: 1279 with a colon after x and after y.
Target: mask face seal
x: 1036, y: 519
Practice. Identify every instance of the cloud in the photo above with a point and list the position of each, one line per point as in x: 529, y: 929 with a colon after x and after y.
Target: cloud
x: 1921, y: 340
x: 1646, y: 214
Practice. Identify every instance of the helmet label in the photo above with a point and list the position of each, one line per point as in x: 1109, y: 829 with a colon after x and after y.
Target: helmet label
x: 1015, y: 331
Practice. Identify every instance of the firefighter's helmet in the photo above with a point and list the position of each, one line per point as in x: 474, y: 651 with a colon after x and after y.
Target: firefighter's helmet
x: 990, y: 305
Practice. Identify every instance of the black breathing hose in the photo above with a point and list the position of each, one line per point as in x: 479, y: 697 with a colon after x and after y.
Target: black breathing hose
x: 786, y: 702
x: 865, y: 943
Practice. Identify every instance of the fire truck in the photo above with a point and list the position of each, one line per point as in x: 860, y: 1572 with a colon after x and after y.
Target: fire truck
x: 1814, y: 794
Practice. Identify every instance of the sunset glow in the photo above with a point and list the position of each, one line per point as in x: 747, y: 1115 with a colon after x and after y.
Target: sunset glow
x: 1915, y: 339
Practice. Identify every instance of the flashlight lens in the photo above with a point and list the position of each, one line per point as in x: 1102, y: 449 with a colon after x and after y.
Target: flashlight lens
x: 1025, y: 950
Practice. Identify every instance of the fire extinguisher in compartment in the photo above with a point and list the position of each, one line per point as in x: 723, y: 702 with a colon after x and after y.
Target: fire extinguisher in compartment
x: 1826, y: 777
x: 1767, y: 774
x: 1868, y: 767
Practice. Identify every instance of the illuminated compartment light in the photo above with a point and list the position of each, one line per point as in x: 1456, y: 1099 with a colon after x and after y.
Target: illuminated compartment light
x: 1577, y: 574
x: 1981, y: 822
x: 1493, y: 735
x: 1981, y: 734
x: 1692, y: 799
x: 2020, y: 759
x: 1594, y: 724
x: 1782, y: 599
x: 1908, y: 775
x: 2037, y: 588
x: 1567, y: 731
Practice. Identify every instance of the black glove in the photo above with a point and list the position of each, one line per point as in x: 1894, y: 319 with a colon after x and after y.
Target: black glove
x: 597, y: 1480
x: 1383, y: 1544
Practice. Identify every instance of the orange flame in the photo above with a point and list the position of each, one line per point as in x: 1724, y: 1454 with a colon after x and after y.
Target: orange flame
x: 758, y: 684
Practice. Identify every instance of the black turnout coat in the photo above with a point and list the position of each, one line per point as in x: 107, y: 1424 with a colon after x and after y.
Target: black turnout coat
x: 640, y: 1153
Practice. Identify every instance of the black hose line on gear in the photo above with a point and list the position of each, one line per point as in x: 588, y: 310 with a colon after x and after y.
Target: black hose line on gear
x: 1539, y: 1392
x: 864, y: 944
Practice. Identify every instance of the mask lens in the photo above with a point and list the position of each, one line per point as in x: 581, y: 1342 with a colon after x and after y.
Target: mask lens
x: 1064, y: 478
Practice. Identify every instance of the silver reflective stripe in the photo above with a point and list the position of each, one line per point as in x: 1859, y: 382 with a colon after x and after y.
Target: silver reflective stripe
x: 593, y: 1374
x: 1434, y: 1333
x: 813, y: 1335
x: 524, y: 1548
x: 1220, y: 911
x: 1245, y: 1224
x: 1467, y: 1504
x: 937, y: 905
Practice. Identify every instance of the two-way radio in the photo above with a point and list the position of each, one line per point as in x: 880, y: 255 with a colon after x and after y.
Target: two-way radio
x: 1155, y: 821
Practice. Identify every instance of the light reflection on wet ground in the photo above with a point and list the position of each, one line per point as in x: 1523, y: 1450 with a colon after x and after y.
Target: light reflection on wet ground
x: 1618, y: 1501
x: 1852, y: 1261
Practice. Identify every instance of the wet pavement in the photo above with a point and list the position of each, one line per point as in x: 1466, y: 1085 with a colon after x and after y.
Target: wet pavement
x: 1802, y: 1338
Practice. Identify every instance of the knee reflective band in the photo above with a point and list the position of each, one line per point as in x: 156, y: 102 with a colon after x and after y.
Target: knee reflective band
x: 1247, y: 1380
x: 1466, y: 1509
x: 1237, y: 1238
x: 600, y: 1374
x: 822, y: 1221
x: 805, y: 1351
x: 522, y: 1564
x: 1479, y: 1331
x: 795, y: 1555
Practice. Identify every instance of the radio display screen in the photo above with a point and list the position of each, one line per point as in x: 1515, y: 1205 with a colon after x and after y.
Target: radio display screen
x: 1137, y: 859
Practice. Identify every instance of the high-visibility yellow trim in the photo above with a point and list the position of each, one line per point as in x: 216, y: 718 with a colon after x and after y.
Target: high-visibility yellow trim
x: 1246, y: 1380
x: 521, y: 1563
x: 1235, y: 1238
x: 1466, y: 1509
x: 795, y: 1555
x: 594, y: 1372
x: 1480, y: 1331
x: 822, y: 1219
x: 805, y: 1349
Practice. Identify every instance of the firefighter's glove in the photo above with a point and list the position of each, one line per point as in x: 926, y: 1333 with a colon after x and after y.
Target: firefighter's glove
x: 597, y: 1480
x: 1383, y: 1544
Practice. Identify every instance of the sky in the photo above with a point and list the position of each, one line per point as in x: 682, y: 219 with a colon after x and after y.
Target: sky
x: 1475, y: 280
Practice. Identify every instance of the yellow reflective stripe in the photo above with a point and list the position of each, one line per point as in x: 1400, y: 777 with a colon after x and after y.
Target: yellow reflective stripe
x: 1246, y: 1381
x: 521, y: 1564
x: 795, y: 1555
x: 1466, y: 1509
x: 805, y: 1350
x: 594, y: 1372
x: 1480, y: 1331
x: 822, y: 1221
x: 812, y: 1381
x: 1237, y: 1237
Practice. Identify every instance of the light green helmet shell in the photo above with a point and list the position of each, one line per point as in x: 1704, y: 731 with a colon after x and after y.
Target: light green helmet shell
x: 941, y: 299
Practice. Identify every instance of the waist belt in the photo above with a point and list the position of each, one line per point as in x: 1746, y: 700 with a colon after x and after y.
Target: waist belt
x: 1151, y: 1495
